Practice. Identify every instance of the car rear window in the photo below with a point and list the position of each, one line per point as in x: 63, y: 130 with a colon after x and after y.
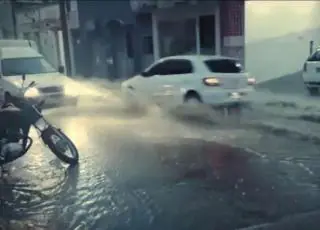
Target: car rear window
x: 223, y: 66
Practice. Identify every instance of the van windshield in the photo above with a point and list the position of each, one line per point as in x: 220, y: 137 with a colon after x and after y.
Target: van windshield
x: 19, y: 66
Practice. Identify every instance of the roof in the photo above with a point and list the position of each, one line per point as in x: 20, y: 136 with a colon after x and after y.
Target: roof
x: 17, y: 43
x: 198, y: 57
x: 18, y: 52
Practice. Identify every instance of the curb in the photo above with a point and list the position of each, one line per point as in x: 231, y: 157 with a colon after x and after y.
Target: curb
x: 285, y: 131
x: 308, y: 220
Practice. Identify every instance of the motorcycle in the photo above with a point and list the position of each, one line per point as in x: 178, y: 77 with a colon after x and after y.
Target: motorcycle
x: 20, y: 115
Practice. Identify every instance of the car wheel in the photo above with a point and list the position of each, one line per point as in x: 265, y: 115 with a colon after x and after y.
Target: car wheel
x: 134, y: 107
x: 313, y: 91
x: 193, y: 99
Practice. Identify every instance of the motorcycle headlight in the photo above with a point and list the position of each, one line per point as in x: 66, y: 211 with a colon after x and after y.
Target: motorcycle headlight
x: 32, y: 92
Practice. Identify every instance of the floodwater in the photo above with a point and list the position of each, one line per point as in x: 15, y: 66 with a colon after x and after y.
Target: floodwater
x: 141, y: 171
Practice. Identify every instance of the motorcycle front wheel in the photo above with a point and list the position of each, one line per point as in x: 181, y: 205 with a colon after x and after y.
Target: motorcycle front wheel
x: 60, y: 145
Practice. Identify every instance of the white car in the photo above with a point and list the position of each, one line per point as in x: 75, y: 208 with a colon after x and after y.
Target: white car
x: 311, y: 73
x: 17, y: 58
x: 174, y: 81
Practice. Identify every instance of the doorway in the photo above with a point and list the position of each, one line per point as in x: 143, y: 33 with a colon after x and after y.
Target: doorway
x: 207, y: 34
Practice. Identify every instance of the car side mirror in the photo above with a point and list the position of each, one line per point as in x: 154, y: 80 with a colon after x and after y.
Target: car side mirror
x: 61, y: 69
x: 23, y: 77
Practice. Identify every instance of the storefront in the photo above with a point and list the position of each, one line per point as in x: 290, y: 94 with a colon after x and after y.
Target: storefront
x: 199, y: 29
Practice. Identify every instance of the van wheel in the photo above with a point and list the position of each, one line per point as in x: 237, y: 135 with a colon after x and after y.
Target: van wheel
x: 313, y: 91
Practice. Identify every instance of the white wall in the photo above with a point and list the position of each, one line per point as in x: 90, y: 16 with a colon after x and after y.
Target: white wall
x: 277, y: 36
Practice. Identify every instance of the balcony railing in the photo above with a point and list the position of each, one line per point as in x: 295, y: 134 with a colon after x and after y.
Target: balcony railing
x: 147, y: 5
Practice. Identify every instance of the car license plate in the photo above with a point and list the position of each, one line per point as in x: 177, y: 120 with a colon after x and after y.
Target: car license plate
x: 235, y: 95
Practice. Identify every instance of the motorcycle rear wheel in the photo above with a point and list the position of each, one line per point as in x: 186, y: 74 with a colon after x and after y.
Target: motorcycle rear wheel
x: 59, y: 143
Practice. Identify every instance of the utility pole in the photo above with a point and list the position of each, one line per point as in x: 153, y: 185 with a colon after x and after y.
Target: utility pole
x: 14, y: 18
x: 65, y: 35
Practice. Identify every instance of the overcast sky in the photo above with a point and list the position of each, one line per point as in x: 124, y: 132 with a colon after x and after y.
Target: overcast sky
x: 266, y: 19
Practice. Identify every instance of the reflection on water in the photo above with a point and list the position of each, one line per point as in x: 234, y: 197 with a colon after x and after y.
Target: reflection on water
x: 21, y: 200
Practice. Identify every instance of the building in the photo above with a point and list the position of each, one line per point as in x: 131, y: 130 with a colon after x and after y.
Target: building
x: 115, y: 39
x: 195, y: 26
x: 40, y: 23
x: 106, y: 41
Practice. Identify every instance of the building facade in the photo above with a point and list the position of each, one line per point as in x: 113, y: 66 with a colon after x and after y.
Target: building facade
x: 41, y: 24
x: 195, y: 27
x: 116, y: 39
x: 105, y: 43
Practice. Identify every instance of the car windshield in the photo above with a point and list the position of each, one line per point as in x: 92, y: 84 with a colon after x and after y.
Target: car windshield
x: 32, y: 65
x: 224, y: 66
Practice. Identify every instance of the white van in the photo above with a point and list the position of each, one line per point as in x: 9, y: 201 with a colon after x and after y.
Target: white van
x: 20, y: 57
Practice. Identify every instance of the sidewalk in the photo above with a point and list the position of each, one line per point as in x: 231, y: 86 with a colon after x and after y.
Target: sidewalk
x: 100, y: 83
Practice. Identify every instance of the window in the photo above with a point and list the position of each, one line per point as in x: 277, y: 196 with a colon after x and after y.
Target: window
x: 171, y: 67
x: 19, y: 66
x: 223, y: 66
x: 315, y: 56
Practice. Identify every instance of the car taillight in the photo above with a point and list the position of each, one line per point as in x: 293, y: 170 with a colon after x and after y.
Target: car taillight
x: 211, y: 81
x: 305, y: 67
x: 251, y: 81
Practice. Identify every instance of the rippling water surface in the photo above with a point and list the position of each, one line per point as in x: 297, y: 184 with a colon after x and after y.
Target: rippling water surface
x: 150, y: 172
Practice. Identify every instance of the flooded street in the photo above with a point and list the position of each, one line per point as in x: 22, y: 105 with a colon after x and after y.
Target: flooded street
x: 151, y: 172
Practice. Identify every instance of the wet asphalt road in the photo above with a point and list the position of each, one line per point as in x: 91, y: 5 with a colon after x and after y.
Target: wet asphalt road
x: 150, y: 172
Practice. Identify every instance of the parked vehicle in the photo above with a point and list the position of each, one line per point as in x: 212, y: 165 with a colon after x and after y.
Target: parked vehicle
x: 190, y: 79
x: 311, y: 73
x: 19, y: 114
x: 19, y: 57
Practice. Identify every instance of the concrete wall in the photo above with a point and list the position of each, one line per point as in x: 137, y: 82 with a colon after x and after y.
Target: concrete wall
x: 44, y: 37
x: 277, y: 36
